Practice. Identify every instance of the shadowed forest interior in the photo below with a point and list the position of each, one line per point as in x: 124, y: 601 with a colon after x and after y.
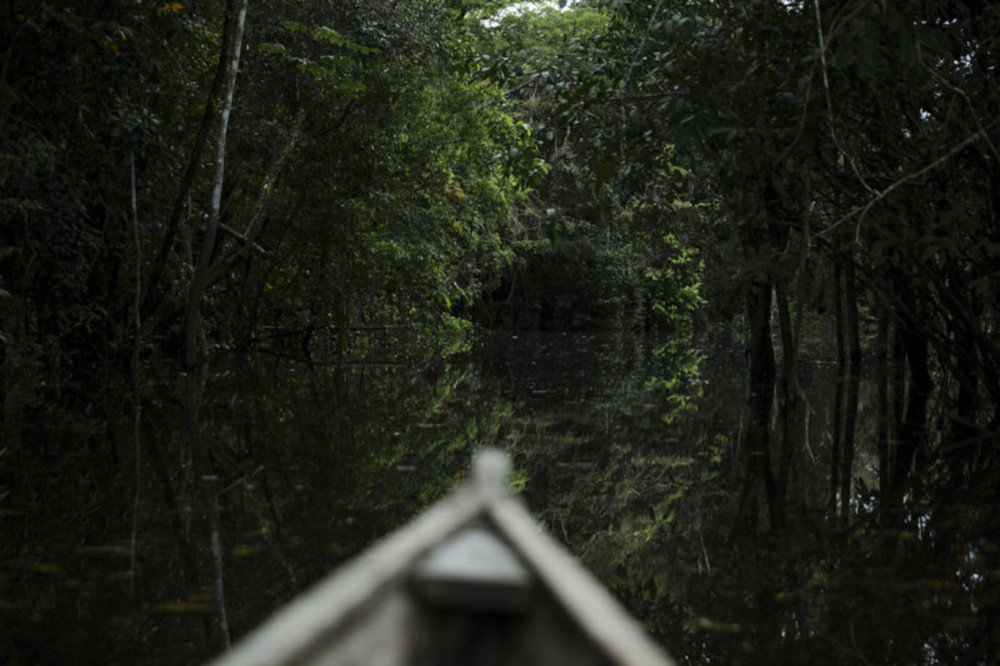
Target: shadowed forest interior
x: 722, y: 277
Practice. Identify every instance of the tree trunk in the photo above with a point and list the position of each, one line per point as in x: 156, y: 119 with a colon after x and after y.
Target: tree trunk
x: 838, y: 397
x: 853, y: 385
x: 760, y: 396
x: 882, y: 383
x: 789, y: 402
x: 152, y: 295
x: 897, y: 395
x: 913, y: 431
x: 193, y: 366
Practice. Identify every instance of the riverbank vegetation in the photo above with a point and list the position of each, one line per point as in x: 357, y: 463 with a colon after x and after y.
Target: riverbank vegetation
x: 248, y: 249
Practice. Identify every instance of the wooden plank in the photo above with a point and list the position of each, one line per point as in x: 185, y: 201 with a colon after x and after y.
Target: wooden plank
x: 310, y: 622
x: 474, y: 571
x: 601, y: 618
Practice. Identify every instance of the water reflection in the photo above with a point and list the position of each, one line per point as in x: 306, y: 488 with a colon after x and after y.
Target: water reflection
x: 633, y: 459
x: 627, y: 451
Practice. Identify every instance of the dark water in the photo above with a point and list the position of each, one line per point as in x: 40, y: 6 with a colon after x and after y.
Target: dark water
x: 628, y: 453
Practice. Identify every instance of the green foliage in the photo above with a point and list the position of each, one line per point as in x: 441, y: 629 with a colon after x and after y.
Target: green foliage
x: 335, y: 72
x: 363, y: 209
x: 398, y: 169
x: 590, y: 242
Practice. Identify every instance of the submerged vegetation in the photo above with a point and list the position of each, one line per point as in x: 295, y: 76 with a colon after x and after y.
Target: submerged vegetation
x: 722, y: 276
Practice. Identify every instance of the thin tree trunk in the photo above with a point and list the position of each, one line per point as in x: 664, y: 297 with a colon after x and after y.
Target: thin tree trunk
x: 913, y: 432
x: 838, y: 398
x: 897, y: 394
x: 152, y: 294
x: 136, y: 375
x: 853, y: 386
x: 195, y: 368
x: 882, y: 382
x: 789, y: 403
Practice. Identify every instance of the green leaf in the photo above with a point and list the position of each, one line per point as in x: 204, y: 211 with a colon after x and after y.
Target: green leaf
x: 274, y: 48
x: 331, y: 36
x: 293, y: 26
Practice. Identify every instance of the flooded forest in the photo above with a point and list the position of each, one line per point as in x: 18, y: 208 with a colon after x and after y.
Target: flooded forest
x: 723, y: 279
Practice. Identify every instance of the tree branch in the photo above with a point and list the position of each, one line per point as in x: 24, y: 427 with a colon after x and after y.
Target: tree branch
x: 879, y: 195
x: 256, y: 222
